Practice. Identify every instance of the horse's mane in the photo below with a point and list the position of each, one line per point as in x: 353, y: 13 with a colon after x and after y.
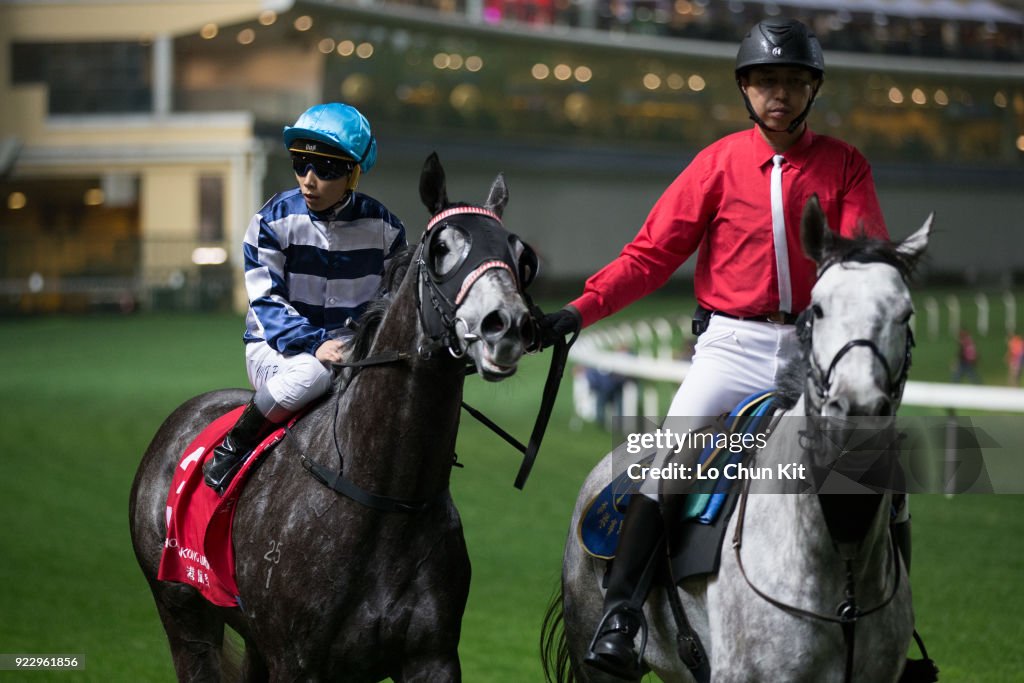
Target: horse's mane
x: 858, y: 249
x: 864, y: 249
x: 375, y: 311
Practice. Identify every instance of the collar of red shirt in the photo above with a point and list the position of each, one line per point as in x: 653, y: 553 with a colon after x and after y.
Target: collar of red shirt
x: 796, y: 155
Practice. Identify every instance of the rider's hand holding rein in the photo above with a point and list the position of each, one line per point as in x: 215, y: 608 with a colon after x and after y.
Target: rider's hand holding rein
x: 555, y: 326
x: 331, y: 351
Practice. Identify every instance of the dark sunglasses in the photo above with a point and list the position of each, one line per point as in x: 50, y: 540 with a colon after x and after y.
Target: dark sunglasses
x: 325, y: 168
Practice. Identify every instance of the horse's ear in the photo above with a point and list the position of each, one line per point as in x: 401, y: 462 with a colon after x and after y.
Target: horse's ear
x: 498, y: 197
x: 914, y: 245
x: 433, y: 191
x: 815, y: 235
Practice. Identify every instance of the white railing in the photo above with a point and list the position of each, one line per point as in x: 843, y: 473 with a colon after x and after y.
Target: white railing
x: 643, y: 353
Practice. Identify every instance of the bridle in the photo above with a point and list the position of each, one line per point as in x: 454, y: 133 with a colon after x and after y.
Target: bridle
x: 848, y: 612
x: 821, y: 381
x: 439, y: 295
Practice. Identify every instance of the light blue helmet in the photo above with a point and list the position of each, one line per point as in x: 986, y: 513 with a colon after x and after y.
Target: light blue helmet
x: 338, y: 125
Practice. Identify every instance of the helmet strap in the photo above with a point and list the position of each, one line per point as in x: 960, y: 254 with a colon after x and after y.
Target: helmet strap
x: 353, y: 178
x: 792, y: 126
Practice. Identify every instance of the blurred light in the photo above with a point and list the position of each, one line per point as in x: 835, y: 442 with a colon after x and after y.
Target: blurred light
x: 1000, y: 100
x: 209, y: 31
x: 346, y: 48
x: 696, y: 82
x: 474, y: 63
x: 356, y: 88
x: 326, y: 46
x: 209, y: 256
x: 675, y: 81
x: 540, y: 71
x: 652, y: 81
x: 268, y: 17
x: 93, y: 197
x: 577, y: 108
x: 563, y: 72
x: 941, y: 98
x: 442, y: 60
x: 583, y: 74
x: 455, y: 62
x: 918, y: 96
x: 16, y: 200
x: 364, y: 50
x: 895, y: 95
x: 303, y: 23
x: 1020, y: 143
x: 465, y: 97
x: 684, y: 7
x: 36, y: 282
x: 246, y: 36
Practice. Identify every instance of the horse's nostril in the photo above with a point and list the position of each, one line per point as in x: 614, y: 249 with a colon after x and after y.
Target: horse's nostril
x: 494, y: 325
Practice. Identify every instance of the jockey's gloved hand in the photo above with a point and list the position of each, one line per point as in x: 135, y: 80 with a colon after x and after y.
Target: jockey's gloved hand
x: 555, y: 326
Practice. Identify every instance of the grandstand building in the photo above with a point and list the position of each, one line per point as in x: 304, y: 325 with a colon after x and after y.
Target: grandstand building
x: 137, y: 138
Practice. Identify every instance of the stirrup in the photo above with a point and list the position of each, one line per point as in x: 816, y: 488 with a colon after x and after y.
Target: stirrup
x: 599, y: 662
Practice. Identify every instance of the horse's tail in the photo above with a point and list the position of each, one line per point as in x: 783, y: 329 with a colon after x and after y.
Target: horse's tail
x: 231, y: 655
x: 554, y: 646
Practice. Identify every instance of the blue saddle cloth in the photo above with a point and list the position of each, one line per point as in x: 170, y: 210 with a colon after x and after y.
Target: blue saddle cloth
x: 601, y: 520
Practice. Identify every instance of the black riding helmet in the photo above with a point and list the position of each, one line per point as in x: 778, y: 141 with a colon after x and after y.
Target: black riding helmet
x: 780, y: 42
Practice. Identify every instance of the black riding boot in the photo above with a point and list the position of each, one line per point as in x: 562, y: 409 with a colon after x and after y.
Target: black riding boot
x: 239, y: 442
x: 630, y: 580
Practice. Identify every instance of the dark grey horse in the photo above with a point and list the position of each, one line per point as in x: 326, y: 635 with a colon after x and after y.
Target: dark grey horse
x: 332, y: 589
x: 770, y: 613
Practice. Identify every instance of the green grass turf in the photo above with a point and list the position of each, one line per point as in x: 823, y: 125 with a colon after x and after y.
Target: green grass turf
x: 81, y: 397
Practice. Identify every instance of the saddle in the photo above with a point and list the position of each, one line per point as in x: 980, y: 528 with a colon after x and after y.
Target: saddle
x: 696, y: 521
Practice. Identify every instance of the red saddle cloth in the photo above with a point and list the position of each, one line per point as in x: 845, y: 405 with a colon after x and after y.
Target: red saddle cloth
x: 198, y: 549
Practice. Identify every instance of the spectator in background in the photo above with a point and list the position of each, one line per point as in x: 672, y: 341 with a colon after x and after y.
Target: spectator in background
x: 966, y: 358
x: 1014, y: 358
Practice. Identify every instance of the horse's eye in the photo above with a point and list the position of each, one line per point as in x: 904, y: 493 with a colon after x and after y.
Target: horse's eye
x: 818, y: 313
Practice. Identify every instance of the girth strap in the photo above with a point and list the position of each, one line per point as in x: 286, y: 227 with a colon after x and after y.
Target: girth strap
x: 338, y: 482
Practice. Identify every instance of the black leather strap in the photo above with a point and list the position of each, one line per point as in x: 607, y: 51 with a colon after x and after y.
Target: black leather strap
x: 338, y: 482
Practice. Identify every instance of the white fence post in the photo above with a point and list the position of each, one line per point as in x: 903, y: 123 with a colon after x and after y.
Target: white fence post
x: 953, y: 304
x: 1010, y: 307
x: 663, y: 329
x: 931, y: 309
x: 981, y: 301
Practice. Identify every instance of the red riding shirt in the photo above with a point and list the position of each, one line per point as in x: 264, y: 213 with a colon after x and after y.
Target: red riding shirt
x: 721, y: 203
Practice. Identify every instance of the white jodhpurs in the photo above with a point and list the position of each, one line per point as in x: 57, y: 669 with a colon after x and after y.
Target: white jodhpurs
x: 732, y: 360
x: 284, y: 384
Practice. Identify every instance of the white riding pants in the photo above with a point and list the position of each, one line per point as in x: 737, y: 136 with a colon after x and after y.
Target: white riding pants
x: 284, y: 384
x: 732, y: 359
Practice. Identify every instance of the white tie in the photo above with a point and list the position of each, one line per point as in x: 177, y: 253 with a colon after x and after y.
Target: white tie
x: 779, y: 233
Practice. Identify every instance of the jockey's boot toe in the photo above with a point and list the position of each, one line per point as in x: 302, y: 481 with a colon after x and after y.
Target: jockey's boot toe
x: 613, y: 651
x: 221, y: 468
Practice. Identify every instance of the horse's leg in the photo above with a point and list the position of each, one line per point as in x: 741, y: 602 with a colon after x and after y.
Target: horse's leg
x: 435, y: 666
x: 195, y: 631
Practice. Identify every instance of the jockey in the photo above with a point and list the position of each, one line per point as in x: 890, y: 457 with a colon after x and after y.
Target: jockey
x: 740, y: 202
x: 314, y: 257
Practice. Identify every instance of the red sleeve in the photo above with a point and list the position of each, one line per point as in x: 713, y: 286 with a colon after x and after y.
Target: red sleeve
x: 860, y: 207
x: 673, y: 230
